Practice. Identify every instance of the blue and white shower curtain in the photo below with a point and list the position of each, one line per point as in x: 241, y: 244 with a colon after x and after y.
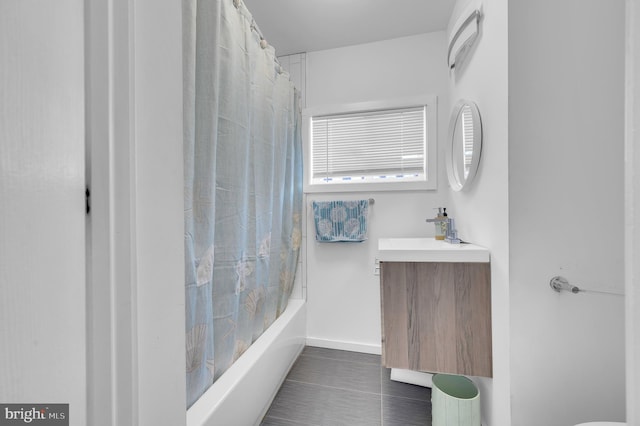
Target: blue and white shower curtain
x: 243, y: 187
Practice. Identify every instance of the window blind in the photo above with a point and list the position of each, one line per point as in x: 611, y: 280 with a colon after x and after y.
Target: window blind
x: 467, y: 138
x: 369, y: 145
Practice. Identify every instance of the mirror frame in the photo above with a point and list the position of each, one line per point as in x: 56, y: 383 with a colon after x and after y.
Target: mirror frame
x: 457, y: 182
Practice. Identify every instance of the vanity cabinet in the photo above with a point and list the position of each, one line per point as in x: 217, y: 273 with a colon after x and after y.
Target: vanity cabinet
x: 436, y: 316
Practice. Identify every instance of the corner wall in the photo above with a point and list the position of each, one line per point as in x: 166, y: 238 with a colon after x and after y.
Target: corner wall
x: 632, y: 200
x: 159, y: 213
x: 566, y: 112
x: 481, y: 212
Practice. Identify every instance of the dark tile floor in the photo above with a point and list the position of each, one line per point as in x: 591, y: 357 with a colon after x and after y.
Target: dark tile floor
x: 333, y: 387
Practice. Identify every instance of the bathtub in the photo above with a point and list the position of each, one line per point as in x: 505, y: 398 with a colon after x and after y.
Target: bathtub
x: 242, y: 395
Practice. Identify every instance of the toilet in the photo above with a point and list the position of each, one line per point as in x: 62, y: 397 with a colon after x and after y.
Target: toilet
x: 601, y: 424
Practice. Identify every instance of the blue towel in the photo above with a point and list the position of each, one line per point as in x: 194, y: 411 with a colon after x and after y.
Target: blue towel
x: 338, y: 221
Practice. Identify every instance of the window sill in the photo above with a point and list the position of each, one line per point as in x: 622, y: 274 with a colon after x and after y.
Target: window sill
x: 370, y: 187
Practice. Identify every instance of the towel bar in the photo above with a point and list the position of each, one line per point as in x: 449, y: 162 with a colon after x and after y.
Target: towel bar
x: 464, y: 37
x: 559, y: 283
x: 371, y: 201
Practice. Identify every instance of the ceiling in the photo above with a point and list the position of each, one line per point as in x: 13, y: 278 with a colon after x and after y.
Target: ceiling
x: 295, y: 26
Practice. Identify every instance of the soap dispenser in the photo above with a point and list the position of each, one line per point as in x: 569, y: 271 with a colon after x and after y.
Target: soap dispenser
x: 440, y: 222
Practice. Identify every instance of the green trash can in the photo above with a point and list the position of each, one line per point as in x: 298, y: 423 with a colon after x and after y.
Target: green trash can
x: 455, y: 401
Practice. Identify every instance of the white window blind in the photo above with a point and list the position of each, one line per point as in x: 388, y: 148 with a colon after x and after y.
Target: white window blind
x: 377, y: 146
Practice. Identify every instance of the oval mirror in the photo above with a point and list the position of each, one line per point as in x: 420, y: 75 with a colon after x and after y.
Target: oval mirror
x: 465, y: 145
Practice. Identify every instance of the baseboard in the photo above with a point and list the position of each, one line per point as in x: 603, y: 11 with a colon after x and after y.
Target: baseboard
x: 344, y: 346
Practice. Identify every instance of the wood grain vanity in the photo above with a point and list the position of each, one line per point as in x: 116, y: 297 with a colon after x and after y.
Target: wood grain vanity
x: 436, y: 306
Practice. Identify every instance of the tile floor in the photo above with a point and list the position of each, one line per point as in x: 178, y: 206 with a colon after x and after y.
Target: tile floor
x: 333, y: 387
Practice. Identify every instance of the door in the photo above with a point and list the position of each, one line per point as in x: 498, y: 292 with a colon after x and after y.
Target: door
x: 42, y: 214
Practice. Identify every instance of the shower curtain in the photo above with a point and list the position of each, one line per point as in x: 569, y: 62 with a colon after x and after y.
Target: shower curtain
x: 243, y: 187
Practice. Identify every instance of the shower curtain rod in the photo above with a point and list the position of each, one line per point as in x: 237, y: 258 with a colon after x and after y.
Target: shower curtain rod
x: 254, y: 27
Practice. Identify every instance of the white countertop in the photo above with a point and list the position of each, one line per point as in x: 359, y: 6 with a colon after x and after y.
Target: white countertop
x: 429, y: 250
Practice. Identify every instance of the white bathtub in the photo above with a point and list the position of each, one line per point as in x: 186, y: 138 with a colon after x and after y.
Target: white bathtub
x: 242, y: 395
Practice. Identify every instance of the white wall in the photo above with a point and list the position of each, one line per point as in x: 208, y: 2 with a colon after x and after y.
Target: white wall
x: 296, y: 66
x: 159, y: 213
x: 42, y: 247
x: 632, y: 199
x: 482, y: 212
x: 342, y: 291
x: 566, y: 112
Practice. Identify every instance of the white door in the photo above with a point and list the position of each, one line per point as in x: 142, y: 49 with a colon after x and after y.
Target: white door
x: 42, y: 217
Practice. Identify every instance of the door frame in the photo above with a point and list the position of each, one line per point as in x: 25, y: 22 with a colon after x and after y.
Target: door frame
x: 135, y: 257
x: 110, y: 161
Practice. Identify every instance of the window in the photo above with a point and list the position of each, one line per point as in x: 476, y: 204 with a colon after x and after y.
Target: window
x: 371, y: 146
